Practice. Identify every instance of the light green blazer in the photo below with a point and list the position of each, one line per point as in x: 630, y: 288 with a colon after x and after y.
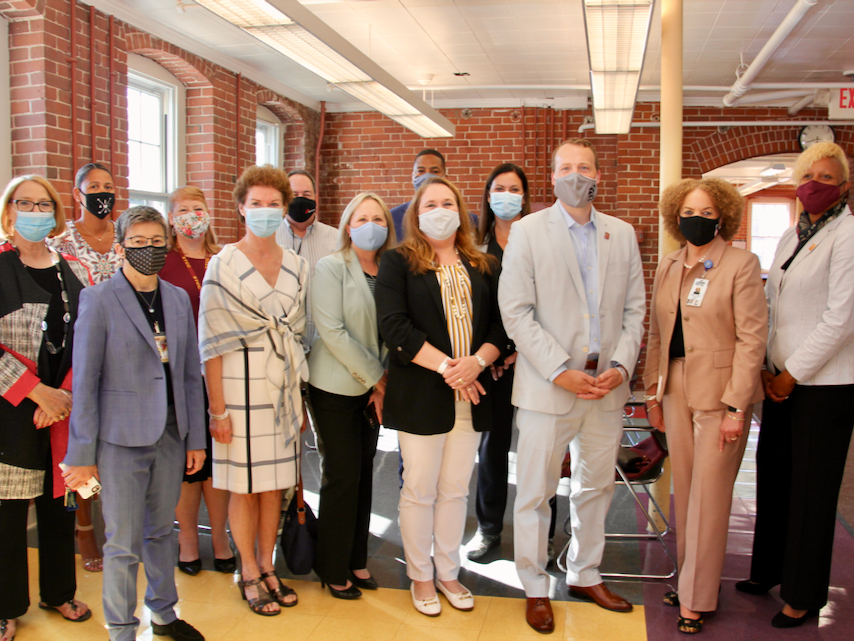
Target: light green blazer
x: 345, y: 359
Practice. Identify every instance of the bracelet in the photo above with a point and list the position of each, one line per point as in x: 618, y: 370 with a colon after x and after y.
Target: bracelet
x: 442, y: 367
x: 649, y: 397
x: 219, y: 417
x: 652, y: 407
x: 480, y: 362
x: 735, y: 418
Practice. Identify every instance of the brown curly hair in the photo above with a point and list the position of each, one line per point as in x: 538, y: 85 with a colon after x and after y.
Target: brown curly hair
x: 729, y: 203
x: 263, y: 176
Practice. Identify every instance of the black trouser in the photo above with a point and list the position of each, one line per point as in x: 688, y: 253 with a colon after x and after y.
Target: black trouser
x: 803, y: 444
x: 492, y: 466
x: 345, y: 494
x: 57, y: 581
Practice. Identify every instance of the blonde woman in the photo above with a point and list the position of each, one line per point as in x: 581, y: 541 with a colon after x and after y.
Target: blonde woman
x: 438, y: 314
x: 347, y: 385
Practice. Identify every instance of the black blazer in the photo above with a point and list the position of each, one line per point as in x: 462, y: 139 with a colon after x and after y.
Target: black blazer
x: 410, y: 312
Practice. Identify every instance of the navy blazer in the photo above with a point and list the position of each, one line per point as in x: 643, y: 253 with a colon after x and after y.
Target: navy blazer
x: 118, y: 382
x: 410, y: 312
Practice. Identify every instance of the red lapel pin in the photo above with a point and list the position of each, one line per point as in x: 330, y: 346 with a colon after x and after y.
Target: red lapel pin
x: 607, y: 235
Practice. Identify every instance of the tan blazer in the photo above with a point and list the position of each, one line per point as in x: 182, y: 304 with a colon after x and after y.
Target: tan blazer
x: 724, y: 337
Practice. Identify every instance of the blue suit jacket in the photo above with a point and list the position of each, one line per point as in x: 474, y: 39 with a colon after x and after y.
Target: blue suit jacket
x: 118, y: 382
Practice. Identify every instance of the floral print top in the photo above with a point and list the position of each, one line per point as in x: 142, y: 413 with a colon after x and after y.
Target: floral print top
x: 101, y: 266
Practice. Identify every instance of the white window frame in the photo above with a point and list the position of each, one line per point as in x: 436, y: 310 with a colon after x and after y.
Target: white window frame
x: 274, y: 153
x: 147, y: 75
x: 767, y: 201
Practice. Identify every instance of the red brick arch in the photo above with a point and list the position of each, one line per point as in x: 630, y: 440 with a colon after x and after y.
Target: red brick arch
x: 18, y: 9
x: 192, y: 71
x: 296, y: 152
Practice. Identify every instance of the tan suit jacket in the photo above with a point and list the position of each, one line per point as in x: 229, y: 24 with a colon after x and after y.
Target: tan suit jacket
x: 724, y: 337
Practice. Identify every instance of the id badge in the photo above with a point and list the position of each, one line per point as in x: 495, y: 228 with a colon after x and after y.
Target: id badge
x: 697, y: 293
x: 160, y: 341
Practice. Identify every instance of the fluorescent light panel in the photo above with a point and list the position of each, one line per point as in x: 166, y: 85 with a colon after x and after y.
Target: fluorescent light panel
x: 617, y: 34
x: 274, y: 28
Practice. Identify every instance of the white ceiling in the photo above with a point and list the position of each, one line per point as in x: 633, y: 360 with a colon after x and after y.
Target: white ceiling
x: 503, y: 43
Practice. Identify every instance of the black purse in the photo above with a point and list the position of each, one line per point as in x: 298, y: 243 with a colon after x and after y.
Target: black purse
x: 299, y: 533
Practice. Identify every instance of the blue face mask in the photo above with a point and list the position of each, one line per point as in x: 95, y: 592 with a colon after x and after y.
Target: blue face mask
x: 264, y: 221
x: 505, y: 205
x: 369, y: 236
x: 34, y: 226
x: 419, y: 180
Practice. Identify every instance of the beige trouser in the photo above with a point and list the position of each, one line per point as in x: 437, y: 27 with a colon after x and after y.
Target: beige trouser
x: 703, y: 479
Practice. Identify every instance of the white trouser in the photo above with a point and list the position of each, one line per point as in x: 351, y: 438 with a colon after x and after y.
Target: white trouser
x: 594, y: 436
x: 436, y: 474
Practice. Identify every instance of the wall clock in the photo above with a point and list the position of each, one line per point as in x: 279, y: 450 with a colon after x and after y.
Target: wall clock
x: 812, y: 134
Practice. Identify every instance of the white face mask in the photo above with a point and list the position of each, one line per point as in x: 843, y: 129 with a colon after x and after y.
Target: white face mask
x: 439, y: 223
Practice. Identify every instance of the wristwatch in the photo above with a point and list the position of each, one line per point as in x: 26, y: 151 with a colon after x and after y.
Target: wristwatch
x: 480, y: 362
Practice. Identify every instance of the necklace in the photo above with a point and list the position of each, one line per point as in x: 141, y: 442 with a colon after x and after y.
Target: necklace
x: 109, y: 229
x: 150, y: 306
x: 66, y: 317
x: 689, y: 265
x: 190, y: 268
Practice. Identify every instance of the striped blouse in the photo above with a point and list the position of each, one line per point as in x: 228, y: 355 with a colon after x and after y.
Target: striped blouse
x: 455, y: 284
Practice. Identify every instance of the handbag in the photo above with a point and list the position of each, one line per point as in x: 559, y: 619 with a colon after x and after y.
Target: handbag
x: 299, y: 532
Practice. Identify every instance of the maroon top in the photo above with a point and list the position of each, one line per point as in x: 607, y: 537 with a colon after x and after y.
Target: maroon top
x: 175, y: 271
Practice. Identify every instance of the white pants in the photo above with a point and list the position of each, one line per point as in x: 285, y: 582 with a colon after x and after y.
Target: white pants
x: 437, y: 470
x: 594, y: 436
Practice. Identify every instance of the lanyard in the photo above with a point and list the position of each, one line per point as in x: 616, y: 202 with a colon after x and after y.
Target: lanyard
x: 190, y: 267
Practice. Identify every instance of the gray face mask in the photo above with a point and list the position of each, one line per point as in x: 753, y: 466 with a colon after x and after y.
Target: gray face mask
x: 575, y: 190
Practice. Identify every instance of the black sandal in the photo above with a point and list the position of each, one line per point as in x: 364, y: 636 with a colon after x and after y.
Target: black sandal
x: 689, y: 626
x: 257, y: 604
x: 280, y: 592
x: 671, y: 598
x: 80, y: 619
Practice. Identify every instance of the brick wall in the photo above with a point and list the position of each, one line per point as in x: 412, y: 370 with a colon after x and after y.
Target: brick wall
x: 220, y: 127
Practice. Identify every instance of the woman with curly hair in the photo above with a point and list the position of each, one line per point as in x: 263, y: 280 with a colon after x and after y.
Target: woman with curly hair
x: 708, y: 326
x: 251, y: 328
x: 437, y: 309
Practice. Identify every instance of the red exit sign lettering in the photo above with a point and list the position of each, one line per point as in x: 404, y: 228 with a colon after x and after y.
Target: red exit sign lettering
x: 841, y: 103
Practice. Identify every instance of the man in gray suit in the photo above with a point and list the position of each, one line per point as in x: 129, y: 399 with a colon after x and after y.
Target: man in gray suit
x: 572, y: 298
x: 137, y: 421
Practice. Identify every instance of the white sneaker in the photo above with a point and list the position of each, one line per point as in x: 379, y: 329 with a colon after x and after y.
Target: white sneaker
x: 459, y: 600
x: 429, y: 606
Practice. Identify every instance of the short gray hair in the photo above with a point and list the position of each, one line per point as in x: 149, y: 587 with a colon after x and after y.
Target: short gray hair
x: 136, y: 215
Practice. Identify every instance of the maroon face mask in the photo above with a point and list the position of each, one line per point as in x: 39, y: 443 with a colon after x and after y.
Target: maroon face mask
x: 817, y: 197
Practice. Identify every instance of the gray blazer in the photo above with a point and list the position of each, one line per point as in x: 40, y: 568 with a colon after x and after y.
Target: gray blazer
x: 345, y: 359
x: 118, y: 383
x: 542, y: 301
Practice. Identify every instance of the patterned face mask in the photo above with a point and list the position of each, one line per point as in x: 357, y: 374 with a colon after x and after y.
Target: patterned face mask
x: 147, y: 260
x: 193, y: 224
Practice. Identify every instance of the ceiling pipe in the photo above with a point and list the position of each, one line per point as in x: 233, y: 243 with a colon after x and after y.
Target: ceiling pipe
x: 801, y: 104
x: 742, y: 84
x: 798, y: 86
x: 737, y: 123
x: 770, y: 96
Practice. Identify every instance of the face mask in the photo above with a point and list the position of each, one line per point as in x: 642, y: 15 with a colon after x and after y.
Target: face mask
x: 817, y: 197
x: 301, y: 209
x: 146, y: 260
x: 369, y: 236
x: 34, y: 226
x: 193, y: 224
x: 420, y: 179
x: 100, y: 204
x: 575, y: 190
x: 505, y: 205
x: 263, y: 221
x: 439, y: 223
x: 699, y: 231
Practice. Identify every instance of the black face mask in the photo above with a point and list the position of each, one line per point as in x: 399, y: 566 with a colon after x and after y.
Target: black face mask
x: 147, y: 260
x: 100, y: 204
x: 699, y: 231
x: 301, y: 209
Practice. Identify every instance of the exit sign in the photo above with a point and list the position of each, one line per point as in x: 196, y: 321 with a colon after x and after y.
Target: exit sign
x: 841, y: 104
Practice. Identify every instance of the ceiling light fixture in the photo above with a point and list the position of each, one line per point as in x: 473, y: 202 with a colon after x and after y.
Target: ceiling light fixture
x: 773, y: 170
x: 617, y: 34
x: 292, y: 30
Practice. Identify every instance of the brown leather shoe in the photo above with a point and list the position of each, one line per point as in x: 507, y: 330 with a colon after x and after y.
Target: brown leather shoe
x: 602, y: 596
x: 538, y: 614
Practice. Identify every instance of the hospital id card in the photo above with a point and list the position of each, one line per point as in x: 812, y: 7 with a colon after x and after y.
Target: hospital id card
x: 697, y: 293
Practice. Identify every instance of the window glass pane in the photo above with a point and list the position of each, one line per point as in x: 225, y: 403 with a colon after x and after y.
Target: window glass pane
x: 151, y: 118
x: 260, y: 144
x: 151, y: 170
x: 768, y: 221
x: 160, y: 204
x: 133, y: 114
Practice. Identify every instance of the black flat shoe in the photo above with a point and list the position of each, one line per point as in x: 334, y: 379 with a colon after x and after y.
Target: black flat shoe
x: 751, y: 587
x: 190, y: 567
x: 226, y: 566
x: 366, y: 584
x: 781, y: 620
x: 689, y: 626
x: 671, y: 598
x: 348, y: 594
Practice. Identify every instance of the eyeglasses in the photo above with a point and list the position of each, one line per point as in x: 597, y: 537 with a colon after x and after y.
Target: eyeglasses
x: 29, y: 205
x: 142, y: 241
